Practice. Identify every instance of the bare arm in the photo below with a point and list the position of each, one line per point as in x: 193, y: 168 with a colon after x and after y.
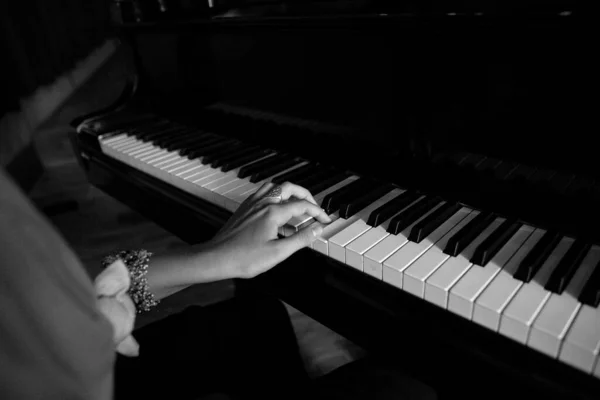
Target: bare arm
x: 245, y: 247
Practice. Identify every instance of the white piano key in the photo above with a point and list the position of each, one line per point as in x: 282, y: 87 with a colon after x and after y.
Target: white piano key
x: 394, y: 266
x: 582, y: 344
x: 496, y: 296
x: 552, y: 323
x: 207, y: 177
x: 185, y: 173
x: 356, y: 249
x: 201, y: 174
x: 178, y: 161
x: 338, y: 241
x: 231, y: 197
x: 152, y: 155
x: 322, y: 242
x: 128, y: 141
x: 525, y: 305
x: 462, y: 296
x: 164, y: 160
x: 373, y: 259
x: 441, y: 281
x: 182, y: 167
x: 137, y: 149
x: 411, y: 252
x: 141, y: 149
x: 133, y: 145
x: 148, y: 154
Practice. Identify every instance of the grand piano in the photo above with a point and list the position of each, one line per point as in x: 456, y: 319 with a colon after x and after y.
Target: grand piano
x: 449, y: 143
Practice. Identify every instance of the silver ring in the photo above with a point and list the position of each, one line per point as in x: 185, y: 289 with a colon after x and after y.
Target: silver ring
x: 274, y: 193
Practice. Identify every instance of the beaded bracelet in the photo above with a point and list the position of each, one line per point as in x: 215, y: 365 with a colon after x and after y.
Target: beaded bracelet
x: 136, y: 262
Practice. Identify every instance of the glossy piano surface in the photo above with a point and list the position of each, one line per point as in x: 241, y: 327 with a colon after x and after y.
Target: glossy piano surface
x: 465, y: 237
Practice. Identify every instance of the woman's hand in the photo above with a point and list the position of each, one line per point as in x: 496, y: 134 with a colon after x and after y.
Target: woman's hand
x: 248, y: 242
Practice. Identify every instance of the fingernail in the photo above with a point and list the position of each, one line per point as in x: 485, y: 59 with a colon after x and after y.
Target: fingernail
x: 317, y: 230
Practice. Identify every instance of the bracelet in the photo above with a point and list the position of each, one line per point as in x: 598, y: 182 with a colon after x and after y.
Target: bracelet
x: 136, y: 262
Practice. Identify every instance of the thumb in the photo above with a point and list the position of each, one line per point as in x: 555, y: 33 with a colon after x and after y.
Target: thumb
x: 300, y: 239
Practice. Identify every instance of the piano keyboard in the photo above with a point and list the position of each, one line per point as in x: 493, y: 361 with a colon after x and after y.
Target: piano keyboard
x: 538, y: 288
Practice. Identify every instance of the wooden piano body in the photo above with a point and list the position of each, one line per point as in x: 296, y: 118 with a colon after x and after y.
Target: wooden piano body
x: 396, y: 97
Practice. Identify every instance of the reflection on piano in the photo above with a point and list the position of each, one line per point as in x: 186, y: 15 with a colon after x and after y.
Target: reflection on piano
x: 473, y: 260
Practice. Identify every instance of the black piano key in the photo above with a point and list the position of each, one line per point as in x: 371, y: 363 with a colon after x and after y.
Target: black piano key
x: 590, y: 294
x: 461, y: 239
x: 493, y: 243
x: 389, y: 209
x: 123, y: 122
x: 566, y: 268
x: 298, y: 173
x: 233, y: 164
x: 255, y: 167
x: 184, y: 135
x: 318, y: 176
x: 534, y: 260
x: 328, y: 181
x: 433, y: 221
x: 202, y: 151
x: 242, y: 151
x: 138, y: 131
x: 275, y: 169
x: 209, y: 159
x: 355, y: 205
x: 199, y: 143
x: 332, y: 201
x: 159, y: 133
x: 408, y: 216
x: 188, y: 140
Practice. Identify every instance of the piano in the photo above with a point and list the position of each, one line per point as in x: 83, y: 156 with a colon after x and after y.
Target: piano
x: 450, y: 148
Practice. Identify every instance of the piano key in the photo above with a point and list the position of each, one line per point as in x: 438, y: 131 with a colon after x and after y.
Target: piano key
x: 414, y: 277
x: 164, y: 160
x: 328, y: 181
x: 525, y: 305
x: 393, y: 207
x: 495, y: 297
x: 358, y: 247
x: 252, y: 157
x: 197, y: 167
x: 556, y: 316
x: 333, y: 201
x: 489, y: 163
x: 158, y: 134
x: 353, y: 206
x: 441, y: 281
x: 200, y: 143
x: 590, y: 294
x: 321, y: 244
x: 563, y: 273
x: 319, y: 176
x: 205, y: 150
x: 190, y: 140
x: 468, y: 233
x: 464, y: 293
x: 488, y: 249
x: 372, y: 262
x: 184, y: 167
x: 150, y: 153
x: 297, y: 223
x: 426, y: 226
x: 176, y: 162
x: 581, y: 345
x: 243, y: 150
x: 269, y: 171
x: 537, y: 256
x: 256, y: 166
x: 338, y: 242
x: 293, y: 176
x: 393, y: 267
x: 139, y: 150
x: 224, y: 152
x: 185, y: 136
x: 125, y: 143
x: 412, y: 213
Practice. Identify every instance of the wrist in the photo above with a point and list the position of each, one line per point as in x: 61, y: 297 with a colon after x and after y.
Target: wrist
x: 216, y: 262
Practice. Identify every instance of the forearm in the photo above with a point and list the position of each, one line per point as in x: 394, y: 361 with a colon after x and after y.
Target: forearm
x: 172, y: 271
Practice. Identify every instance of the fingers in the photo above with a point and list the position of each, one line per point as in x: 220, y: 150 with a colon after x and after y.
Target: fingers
x: 287, y: 246
x: 282, y: 213
x: 264, y: 189
x: 289, y: 190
